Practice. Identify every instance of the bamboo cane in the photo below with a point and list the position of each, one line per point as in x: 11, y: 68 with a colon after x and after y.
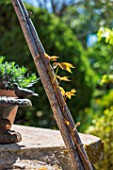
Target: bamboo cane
x: 57, y: 102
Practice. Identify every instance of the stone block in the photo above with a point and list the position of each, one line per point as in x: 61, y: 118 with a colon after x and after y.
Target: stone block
x: 44, y: 149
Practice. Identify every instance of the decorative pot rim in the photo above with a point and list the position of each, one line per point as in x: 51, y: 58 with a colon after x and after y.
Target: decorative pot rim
x: 9, y: 93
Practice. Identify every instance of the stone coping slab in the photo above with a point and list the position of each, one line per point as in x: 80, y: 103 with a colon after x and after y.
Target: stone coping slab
x: 46, y: 145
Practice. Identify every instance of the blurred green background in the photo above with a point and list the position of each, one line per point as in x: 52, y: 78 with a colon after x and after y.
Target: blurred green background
x: 69, y: 29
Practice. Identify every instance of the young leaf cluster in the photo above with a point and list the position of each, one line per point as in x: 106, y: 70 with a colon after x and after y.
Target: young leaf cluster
x: 67, y: 94
x: 64, y: 66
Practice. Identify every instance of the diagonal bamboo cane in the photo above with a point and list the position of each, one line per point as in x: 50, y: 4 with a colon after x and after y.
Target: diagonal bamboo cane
x: 71, y: 138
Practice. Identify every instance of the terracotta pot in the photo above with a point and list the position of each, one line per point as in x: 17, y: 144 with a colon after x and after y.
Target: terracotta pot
x: 7, y: 111
x: 9, y: 93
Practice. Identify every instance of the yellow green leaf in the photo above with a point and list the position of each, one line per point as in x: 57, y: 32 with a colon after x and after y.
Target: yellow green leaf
x: 66, y: 122
x: 65, y: 78
x: 62, y: 91
x: 73, y: 91
x: 54, y: 58
x: 66, y: 66
x: 51, y: 58
x: 70, y: 93
x: 76, y: 126
x: 47, y: 56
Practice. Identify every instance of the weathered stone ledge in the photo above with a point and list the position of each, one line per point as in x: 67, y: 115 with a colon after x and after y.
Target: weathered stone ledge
x: 44, y: 148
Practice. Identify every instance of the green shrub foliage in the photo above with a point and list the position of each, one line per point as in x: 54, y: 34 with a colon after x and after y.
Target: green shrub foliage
x: 103, y: 127
x: 102, y: 104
